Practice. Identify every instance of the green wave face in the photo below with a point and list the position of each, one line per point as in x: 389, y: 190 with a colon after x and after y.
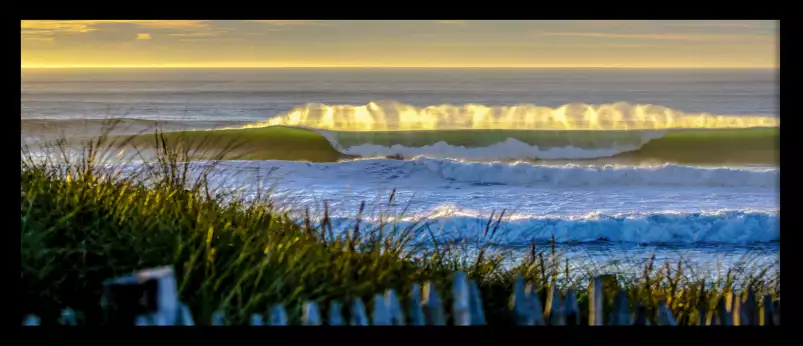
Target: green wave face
x: 758, y: 146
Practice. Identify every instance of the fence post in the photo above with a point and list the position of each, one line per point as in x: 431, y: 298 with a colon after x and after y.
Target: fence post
x: 151, y: 291
x: 433, y: 306
x: 278, y: 317
x: 381, y: 316
x: 572, y: 310
x: 767, y: 310
x: 394, y: 308
x: 68, y: 318
x: 534, y: 304
x: 477, y: 311
x: 749, y: 309
x: 724, y: 317
x: 218, y: 318
x: 595, y: 302
x: 256, y: 320
x: 520, y: 305
x: 776, y: 317
x: 620, y: 314
x: 461, y: 311
x: 416, y: 309
x: 358, y: 315
x: 31, y: 320
x: 665, y: 317
x: 554, y: 307
x: 310, y: 316
x: 335, y: 314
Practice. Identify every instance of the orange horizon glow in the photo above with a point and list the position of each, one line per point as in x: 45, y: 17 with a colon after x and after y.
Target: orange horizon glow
x: 655, y: 44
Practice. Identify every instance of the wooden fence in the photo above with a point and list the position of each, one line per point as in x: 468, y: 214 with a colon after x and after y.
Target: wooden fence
x: 425, y: 307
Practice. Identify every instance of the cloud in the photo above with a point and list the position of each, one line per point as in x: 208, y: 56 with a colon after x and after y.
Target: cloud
x: 290, y: 22
x: 144, y: 36
x: 453, y: 22
x: 718, y: 24
x: 49, y: 28
x: 194, y: 34
x: 676, y: 37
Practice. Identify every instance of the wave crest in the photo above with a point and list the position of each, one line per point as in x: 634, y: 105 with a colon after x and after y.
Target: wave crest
x: 395, y: 116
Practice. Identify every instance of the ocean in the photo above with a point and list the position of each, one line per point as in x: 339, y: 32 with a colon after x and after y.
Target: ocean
x: 615, y: 165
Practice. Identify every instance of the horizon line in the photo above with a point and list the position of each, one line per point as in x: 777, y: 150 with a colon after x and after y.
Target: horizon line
x: 33, y: 67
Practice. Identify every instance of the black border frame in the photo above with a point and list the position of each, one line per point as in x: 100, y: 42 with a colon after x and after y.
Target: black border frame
x: 406, y: 10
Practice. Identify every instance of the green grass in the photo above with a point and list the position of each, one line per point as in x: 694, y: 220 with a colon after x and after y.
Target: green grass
x: 83, y: 223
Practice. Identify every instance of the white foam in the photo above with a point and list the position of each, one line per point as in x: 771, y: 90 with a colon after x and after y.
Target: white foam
x: 722, y: 227
x: 510, y: 149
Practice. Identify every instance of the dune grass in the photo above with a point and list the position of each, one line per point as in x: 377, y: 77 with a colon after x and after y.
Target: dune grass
x: 82, y: 223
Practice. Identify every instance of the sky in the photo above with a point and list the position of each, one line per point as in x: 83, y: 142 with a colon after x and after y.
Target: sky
x: 400, y: 43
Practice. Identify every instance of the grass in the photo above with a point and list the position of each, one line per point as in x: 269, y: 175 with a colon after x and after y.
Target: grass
x: 82, y: 223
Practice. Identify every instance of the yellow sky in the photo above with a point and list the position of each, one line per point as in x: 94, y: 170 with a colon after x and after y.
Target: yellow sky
x: 453, y: 43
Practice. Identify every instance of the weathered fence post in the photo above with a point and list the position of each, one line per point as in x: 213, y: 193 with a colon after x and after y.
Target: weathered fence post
x: 572, y: 310
x: 433, y: 306
x: 477, y: 311
x: 335, y: 314
x: 461, y: 311
x: 534, y: 304
x: 595, y: 302
x: 519, y: 303
x: 767, y: 310
x: 256, y: 320
x: 554, y: 307
x: 416, y: 308
x: 278, y: 317
x: 68, y: 318
x: 724, y: 318
x: 151, y: 292
x: 776, y: 317
x: 218, y: 318
x: 380, y: 316
x: 358, y: 314
x: 394, y: 308
x: 620, y: 314
x: 31, y: 320
x: 749, y: 312
x: 310, y: 316
x: 665, y: 317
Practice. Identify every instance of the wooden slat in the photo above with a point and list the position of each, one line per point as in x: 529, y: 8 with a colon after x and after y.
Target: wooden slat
x: 461, y: 310
x: 257, y: 320
x: 554, y: 307
x: 572, y: 309
x: 520, y: 305
x: 278, y: 317
x: 433, y: 306
x: 335, y: 314
x: 477, y: 311
x: 310, y: 315
x: 595, y: 302
x: 68, y: 318
x: 31, y: 320
x: 767, y: 310
x: 380, y: 315
x: 394, y: 308
x: 534, y: 304
x: 218, y: 318
x: 416, y: 307
x: 620, y: 314
x: 185, y: 317
x: 665, y: 317
x: 749, y: 315
x: 724, y: 317
x: 358, y: 314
